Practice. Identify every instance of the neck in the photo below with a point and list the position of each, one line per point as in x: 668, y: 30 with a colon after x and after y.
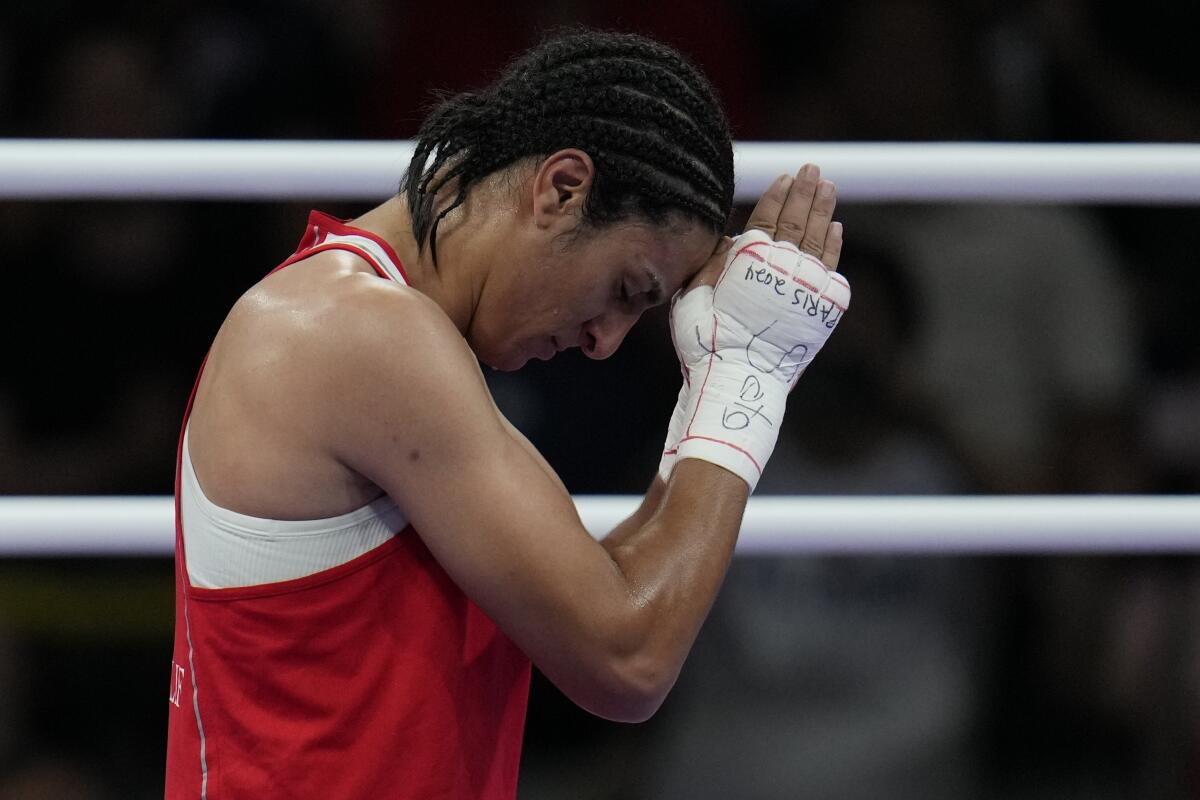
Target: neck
x: 455, y: 283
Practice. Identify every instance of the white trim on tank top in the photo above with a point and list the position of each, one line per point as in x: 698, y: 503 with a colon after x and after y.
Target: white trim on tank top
x: 371, y: 247
x: 226, y: 549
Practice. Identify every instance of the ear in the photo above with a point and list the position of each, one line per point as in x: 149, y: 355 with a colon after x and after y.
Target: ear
x: 560, y: 187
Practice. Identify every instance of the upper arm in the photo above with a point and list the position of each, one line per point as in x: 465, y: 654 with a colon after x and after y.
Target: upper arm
x: 414, y: 415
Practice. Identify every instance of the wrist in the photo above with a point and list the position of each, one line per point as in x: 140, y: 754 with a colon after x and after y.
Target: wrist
x: 666, y: 463
x: 733, y: 417
x: 711, y: 477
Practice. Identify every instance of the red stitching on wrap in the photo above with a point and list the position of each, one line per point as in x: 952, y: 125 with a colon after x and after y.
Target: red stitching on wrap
x: 741, y: 450
x: 747, y: 251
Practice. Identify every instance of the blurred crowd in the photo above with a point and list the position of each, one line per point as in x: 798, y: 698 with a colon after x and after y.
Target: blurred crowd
x: 992, y: 348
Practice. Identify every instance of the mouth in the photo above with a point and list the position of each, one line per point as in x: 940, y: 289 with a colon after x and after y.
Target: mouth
x: 554, y: 346
x: 549, y: 351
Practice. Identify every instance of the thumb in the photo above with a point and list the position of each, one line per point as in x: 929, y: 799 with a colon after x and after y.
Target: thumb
x: 711, y: 271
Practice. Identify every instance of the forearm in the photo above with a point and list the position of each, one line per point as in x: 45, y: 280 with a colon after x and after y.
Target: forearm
x: 675, y: 561
x: 633, y: 523
x: 744, y: 347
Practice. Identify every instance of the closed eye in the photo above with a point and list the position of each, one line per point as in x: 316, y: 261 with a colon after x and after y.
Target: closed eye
x: 627, y: 297
x: 649, y: 298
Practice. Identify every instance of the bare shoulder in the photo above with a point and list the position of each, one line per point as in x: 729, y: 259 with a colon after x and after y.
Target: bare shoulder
x: 314, y: 363
x: 381, y: 333
x: 373, y: 360
x: 329, y: 316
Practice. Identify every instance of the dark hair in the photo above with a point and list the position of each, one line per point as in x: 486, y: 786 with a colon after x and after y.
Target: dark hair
x: 647, y: 117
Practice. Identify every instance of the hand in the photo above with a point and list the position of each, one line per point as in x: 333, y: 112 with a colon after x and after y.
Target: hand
x: 798, y: 210
x: 750, y: 323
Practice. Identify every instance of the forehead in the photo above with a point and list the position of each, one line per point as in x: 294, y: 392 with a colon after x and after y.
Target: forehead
x: 674, y: 251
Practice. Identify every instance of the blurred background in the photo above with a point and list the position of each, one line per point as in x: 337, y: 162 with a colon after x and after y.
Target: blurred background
x: 993, y: 348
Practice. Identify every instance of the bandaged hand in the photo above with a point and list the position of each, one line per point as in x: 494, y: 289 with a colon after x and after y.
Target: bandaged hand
x: 745, y: 333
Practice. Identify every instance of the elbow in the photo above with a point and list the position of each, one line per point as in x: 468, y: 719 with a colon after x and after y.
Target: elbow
x: 622, y: 666
x: 629, y: 687
x: 635, y: 700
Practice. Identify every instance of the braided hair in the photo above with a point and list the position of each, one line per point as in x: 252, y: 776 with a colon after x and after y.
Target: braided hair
x: 647, y: 117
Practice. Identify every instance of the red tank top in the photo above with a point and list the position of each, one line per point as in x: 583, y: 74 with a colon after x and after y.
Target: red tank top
x: 374, y: 679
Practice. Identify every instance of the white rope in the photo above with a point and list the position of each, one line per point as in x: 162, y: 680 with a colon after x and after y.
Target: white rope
x: 144, y: 526
x: 277, y: 170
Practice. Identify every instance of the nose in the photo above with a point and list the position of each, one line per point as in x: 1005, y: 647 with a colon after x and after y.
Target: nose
x: 602, y: 335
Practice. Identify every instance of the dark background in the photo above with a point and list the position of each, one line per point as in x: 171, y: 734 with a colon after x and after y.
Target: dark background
x: 993, y: 348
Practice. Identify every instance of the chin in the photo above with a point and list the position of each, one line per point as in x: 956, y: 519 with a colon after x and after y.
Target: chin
x: 512, y: 365
x: 505, y: 362
x: 498, y: 358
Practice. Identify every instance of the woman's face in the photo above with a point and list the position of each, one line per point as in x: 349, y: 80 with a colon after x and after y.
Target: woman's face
x: 583, y: 290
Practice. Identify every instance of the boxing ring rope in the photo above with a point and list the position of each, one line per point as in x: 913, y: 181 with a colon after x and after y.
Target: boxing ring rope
x: 959, y: 525
x: 363, y: 170
x: 984, y: 172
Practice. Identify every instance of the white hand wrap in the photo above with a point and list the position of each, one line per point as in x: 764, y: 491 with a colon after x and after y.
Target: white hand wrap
x: 743, y: 344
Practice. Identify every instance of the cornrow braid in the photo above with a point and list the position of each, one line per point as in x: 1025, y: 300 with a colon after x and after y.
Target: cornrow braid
x: 647, y: 117
x: 610, y: 91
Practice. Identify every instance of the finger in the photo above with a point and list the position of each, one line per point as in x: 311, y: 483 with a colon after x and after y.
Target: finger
x: 712, y: 269
x: 819, y: 219
x: 765, y: 216
x: 832, y: 252
x: 793, y: 217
